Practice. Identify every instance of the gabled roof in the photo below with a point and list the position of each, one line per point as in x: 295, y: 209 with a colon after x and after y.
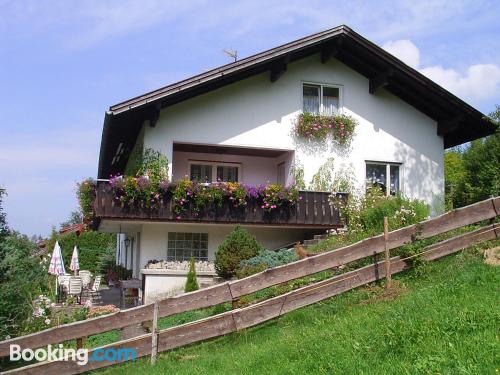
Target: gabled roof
x: 458, y: 122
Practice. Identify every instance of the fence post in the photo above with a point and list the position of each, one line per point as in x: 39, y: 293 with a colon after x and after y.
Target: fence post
x: 154, y: 333
x: 234, y: 303
x: 80, y: 342
x: 388, y: 276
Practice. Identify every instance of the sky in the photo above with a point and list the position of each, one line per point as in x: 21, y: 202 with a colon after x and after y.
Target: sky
x: 63, y: 63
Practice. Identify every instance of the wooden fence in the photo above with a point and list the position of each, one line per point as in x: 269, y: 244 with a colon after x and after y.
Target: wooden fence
x: 238, y: 319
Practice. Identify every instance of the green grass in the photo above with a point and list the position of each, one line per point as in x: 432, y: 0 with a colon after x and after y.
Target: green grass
x: 445, y: 321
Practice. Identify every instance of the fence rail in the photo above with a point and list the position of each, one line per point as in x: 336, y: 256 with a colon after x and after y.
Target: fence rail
x: 241, y: 318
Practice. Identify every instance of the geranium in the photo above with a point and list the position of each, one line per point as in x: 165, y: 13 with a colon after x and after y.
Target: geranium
x: 318, y: 127
x: 237, y: 194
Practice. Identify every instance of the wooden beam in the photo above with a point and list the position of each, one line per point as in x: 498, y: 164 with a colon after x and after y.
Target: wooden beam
x: 154, y: 115
x: 380, y: 81
x: 278, y: 68
x: 331, y: 50
x: 449, y: 125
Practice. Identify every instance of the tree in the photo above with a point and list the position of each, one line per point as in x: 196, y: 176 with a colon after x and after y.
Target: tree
x: 482, y: 163
x: 4, y: 230
x: 454, y: 177
x: 237, y: 246
x: 191, y: 282
x: 75, y: 217
x: 473, y: 173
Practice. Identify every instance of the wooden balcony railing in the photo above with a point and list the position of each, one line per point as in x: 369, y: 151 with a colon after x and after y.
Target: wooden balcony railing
x: 312, y: 210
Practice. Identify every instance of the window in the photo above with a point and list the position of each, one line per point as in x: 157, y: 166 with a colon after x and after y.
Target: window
x: 383, y: 175
x: 227, y: 173
x: 184, y: 246
x: 320, y: 99
x: 205, y: 171
x: 201, y: 172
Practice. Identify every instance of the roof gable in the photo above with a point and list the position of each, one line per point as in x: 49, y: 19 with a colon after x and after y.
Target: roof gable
x: 458, y: 122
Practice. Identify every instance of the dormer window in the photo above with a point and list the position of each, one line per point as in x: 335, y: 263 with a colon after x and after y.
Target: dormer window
x: 321, y: 99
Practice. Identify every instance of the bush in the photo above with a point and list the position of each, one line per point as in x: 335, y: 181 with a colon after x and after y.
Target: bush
x: 115, y: 273
x: 92, y: 247
x: 191, y: 282
x: 245, y: 271
x: 365, y: 213
x: 237, y: 246
x: 266, y: 259
x: 272, y: 258
x: 22, y: 279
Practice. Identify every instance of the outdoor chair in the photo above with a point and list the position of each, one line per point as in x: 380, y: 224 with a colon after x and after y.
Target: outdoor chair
x: 86, y: 278
x: 75, y: 287
x: 64, y: 283
x: 95, y: 286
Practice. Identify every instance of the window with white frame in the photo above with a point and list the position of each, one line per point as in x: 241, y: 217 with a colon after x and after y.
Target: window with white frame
x: 202, y: 171
x: 384, y: 175
x: 184, y: 246
x: 321, y: 99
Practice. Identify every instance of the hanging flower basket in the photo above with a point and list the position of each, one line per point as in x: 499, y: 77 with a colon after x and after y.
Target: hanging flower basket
x: 318, y: 127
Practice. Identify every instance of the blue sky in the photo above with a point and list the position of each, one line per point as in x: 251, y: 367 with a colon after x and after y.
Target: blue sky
x: 63, y: 63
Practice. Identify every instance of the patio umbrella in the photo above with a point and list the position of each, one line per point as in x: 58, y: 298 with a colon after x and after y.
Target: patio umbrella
x: 56, y: 266
x: 75, y: 265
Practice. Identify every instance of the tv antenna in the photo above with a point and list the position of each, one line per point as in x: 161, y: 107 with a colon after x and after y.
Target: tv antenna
x: 231, y: 53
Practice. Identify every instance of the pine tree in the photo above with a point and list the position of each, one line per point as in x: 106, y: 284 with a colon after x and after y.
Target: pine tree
x: 191, y: 282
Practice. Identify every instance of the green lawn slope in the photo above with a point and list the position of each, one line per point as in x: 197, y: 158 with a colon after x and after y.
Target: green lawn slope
x: 444, y: 320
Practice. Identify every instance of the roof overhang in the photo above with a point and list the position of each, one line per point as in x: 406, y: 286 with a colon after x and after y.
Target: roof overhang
x: 457, y: 121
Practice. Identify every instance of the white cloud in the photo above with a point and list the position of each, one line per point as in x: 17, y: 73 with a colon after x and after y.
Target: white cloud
x: 405, y: 50
x: 476, y: 83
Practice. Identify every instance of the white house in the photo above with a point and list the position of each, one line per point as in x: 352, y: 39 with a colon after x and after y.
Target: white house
x: 236, y: 123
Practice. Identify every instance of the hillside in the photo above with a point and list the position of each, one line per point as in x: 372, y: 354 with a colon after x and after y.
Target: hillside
x: 442, y: 319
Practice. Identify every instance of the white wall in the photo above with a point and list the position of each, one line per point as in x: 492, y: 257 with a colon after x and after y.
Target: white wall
x: 154, y: 237
x: 257, y: 113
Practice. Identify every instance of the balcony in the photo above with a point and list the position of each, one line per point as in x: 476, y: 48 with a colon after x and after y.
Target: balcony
x: 312, y: 210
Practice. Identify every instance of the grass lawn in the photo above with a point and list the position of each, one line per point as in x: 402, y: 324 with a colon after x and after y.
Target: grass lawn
x: 444, y: 321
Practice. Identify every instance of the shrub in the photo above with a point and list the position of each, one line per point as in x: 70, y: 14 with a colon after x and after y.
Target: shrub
x: 115, y: 273
x: 245, y: 271
x: 92, y: 247
x: 22, y: 279
x: 266, y: 259
x: 365, y: 213
x: 272, y: 258
x: 191, y: 282
x: 237, y: 246
x: 85, y: 193
x: 333, y: 177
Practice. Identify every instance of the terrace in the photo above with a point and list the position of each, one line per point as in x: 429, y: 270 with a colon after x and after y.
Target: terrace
x: 311, y: 210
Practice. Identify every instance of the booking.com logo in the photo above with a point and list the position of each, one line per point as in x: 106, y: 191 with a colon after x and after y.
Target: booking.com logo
x: 80, y: 356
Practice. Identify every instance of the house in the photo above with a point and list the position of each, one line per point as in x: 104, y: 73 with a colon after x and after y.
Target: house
x: 239, y: 123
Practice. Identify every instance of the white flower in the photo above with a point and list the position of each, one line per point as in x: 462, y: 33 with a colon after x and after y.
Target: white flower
x: 47, y: 321
x: 38, y: 312
x: 7, y: 337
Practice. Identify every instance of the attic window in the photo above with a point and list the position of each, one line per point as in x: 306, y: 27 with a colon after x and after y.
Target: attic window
x: 321, y: 99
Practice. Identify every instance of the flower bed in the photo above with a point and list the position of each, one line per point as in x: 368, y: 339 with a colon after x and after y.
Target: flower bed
x: 318, y: 127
